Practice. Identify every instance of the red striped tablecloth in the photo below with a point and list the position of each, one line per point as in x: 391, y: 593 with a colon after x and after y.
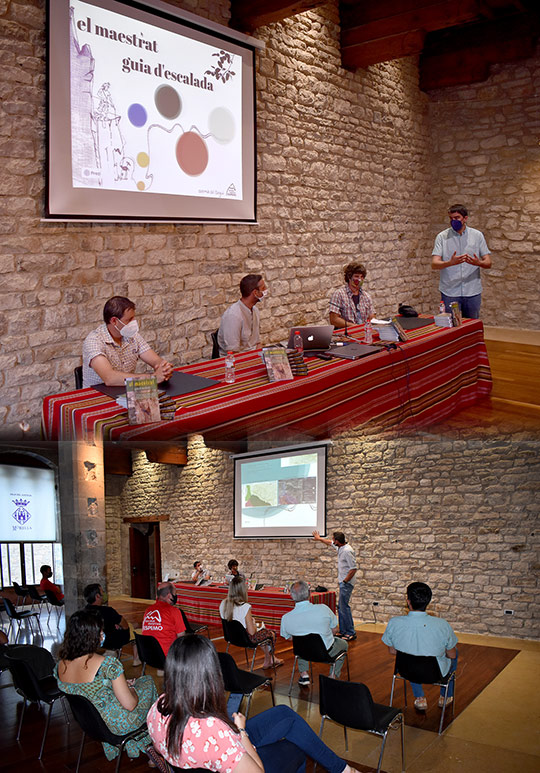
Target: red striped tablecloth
x: 201, y: 603
x: 436, y: 373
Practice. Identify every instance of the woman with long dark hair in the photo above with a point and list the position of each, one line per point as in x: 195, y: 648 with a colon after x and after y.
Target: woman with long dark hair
x: 123, y: 704
x: 237, y: 607
x: 190, y: 727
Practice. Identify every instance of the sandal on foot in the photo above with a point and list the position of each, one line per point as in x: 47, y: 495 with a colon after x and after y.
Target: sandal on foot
x: 448, y: 700
x: 420, y: 704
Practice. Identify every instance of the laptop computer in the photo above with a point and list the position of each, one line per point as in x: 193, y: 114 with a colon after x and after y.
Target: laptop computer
x: 315, y: 337
x: 352, y: 350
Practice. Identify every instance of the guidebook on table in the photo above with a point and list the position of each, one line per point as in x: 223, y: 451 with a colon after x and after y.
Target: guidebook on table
x: 277, y: 363
x: 142, y: 400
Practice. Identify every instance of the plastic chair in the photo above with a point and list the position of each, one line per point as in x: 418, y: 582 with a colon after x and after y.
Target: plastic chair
x: 244, y: 682
x: 36, y: 596
x: 91, y: 723
x: 311, y: 647
x: 52, y: 601
x: 215, y: 345
x: 194, y: 627
x: 22, y: 592
x: 235, y: 633
x: 422, y: 669
x: 351, y: 705
x: 77, y: 372
x: 32, y: 672
x: 150, y: 651
x: 13, y: 614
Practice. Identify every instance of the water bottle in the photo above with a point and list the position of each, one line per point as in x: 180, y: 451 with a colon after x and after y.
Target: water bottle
x: 442, y: 307
x: 298, y: 342
x: 230, y: 376
x: 368, y: 332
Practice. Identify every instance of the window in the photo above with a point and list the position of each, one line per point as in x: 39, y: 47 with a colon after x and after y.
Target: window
x: 20, y: 562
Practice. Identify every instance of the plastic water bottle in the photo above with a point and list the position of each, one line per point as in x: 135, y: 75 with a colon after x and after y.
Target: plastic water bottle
x: 298, y: 342
x: 442, y: 307
x: 368, y: 332
x: 230, y: 376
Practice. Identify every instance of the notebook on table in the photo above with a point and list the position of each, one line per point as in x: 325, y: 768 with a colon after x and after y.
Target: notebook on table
x: 352, y: 351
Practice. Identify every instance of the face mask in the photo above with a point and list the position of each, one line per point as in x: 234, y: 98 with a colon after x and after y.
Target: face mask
x: 174, y: 598
x: 104, y: 598
x: 129, y: 330
x: 102, y: 639
x: 457, y: 225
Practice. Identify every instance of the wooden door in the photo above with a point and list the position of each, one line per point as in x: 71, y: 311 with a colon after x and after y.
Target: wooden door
x: 139, y: 564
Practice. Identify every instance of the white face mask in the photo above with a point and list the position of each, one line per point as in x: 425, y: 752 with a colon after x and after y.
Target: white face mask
x: 264, y: 294
x: 129, y: 330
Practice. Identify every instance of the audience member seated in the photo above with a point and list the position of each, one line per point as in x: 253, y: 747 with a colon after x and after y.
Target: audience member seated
x: 123, y: 703
x: 308, y: 618
x: 46, y: 584
x: 239, y: 328
x: 163, y: 620
x: 421, y: 634
x: 111, y: 351
x: 117, y: 630
x: 236, y: 607
x: 199, y: 574
x: 190, y: 727
x: 233, y: 572
x: 350, y: 304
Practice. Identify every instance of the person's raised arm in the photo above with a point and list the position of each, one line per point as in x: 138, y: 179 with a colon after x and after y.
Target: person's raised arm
x: 317, y: 537
x: 126, y: 695
x: 437, y: 262
x: 481, y: 262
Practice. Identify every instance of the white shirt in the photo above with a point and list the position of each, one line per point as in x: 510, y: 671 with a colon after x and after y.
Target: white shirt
x: 239, y: 329
x: 239, y: 612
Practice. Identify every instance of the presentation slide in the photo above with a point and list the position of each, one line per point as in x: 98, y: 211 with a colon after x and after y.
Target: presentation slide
x: 158, y: 118
x: 280, y: 494
x: 28, y: 504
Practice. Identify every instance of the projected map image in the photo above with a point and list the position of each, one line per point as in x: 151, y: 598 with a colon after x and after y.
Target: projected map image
x: 150, y: 118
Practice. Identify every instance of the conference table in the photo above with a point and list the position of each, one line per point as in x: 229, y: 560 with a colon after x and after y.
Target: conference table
x: 409, y: 384
x: 201, y: 603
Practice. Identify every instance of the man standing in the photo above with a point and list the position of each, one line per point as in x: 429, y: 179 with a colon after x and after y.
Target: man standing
x: 163, y: 620
x: 46, y: 584
x: 346, y: 572
x: 421, y: 634
x: 351, y: 304
x: 308, y: 618
x: 111, y: 351
x: 459, y: 253
x: 239, y: 328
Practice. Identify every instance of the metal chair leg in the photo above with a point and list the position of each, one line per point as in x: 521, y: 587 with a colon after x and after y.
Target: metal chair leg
x: 392, y: 690
x: 402, y: 723
x: 21, y: 720
x: 79, y: 758
x: 382, y: 751
x: 47, y: 722
x: 292, y: 674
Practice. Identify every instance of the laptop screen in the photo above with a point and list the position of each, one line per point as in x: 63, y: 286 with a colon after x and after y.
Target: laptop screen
x: 314, y: 336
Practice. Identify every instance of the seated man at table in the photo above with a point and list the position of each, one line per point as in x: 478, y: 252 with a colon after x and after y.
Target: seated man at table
x: 239, y: 327
x: 46, y: 584
x: 308, y: 618
x: 163, y: 620
x: 112, y: 350
x: 351, y: 304
x: 199, y: 575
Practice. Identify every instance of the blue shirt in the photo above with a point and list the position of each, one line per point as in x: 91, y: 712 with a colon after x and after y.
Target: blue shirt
x: 309, y: 618
x: 461, y: 280
x: 421, y: 634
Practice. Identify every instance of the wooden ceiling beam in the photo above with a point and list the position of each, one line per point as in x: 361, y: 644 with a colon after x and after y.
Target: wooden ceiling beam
x: 382, y: 50
x: 248, y: 15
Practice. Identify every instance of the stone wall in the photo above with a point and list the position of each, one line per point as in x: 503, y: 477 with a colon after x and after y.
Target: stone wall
x: 461, y: 514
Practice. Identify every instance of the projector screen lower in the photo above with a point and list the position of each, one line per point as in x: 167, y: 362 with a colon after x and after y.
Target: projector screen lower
x: 280, y: 493
x: 27, y: 504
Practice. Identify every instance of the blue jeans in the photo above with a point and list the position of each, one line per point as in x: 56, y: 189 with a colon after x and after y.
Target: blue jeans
x: 470, y: 306
x: 282, y: 722
x: 418, y: 690
x: 346, y: 625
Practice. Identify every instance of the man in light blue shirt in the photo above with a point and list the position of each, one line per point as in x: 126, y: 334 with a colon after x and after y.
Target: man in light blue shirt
x: 308, y: 618
x: 459, y: 253
x: 421, y: 634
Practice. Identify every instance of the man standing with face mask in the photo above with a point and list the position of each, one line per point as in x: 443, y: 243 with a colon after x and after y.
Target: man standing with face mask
x: 351, y: 304
x: 239, y: 328
x: 459, y: 253
x: 163, y: 620
x: 111, y: 351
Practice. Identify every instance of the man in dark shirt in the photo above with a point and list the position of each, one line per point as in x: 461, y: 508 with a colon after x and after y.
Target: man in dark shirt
x: 115, y: 627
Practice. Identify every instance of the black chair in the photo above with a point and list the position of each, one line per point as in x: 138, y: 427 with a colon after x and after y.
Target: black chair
x: 194, y: 627
x: 14, y: 615
x: 150, y: 652
x: 422, y: 669
x: 22, y: 592
x: 215, y: 345
x: 235, y: 633
x: 52, y: 601
x: 351, y: 705
x: 77, y: 372
x: 37, y: 597
x: 91, y: 723
x: 244, y: 682
x: 311, y: 647
x: 32, y: 672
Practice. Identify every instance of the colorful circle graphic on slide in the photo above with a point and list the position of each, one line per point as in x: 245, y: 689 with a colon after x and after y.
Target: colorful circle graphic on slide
x: 192, y: 154
x: 168, y: 102
x: 137, y: 114
x: 143, y: 159
x: 222, y: 125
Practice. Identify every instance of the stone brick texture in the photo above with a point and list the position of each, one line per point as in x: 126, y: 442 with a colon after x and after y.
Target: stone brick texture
x: 458, y: 513
x: 350, y: 166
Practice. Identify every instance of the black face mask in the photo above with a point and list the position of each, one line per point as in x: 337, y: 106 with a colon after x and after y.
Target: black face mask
x: 174, y: 598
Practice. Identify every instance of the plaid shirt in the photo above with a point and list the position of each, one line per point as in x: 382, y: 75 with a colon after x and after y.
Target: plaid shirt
x: 342, y: 303
x: 122, y: 356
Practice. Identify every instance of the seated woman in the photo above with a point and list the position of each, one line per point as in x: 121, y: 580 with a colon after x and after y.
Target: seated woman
x: 123, y: 704
x: 190, y: 727
x: 236, y: 607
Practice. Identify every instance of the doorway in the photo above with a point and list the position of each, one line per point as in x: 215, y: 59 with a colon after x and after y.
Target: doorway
x: 144, y: 559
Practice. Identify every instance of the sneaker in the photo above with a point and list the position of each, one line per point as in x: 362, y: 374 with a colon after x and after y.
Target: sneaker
x: 448, y: 701
x: 304, y: 681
